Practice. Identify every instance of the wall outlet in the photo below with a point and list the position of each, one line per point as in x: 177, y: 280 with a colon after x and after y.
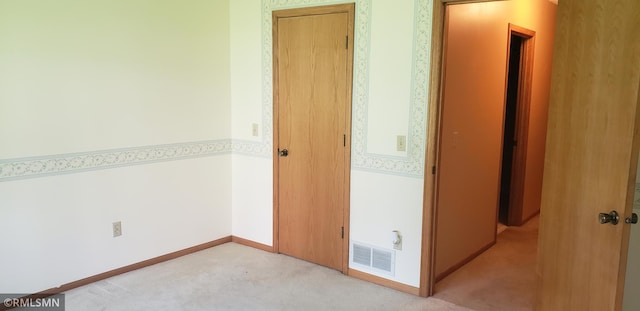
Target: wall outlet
x: 117, y: 229
x: 401, y: 143
x: 254, y: 129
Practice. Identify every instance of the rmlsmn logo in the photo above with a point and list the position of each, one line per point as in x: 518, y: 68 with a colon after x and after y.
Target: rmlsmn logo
x: 32, y: 302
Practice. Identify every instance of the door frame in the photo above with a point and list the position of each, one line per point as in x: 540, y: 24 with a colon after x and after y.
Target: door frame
x: 348, y: 8
x: 525, y: 83
x: 429, y: 211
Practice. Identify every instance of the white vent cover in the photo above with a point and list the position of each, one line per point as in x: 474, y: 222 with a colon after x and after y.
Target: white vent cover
x: 372, y: 259
x: 361, y: 254
x: 382, y: 260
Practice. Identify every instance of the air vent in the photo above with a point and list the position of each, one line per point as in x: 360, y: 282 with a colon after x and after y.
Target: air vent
x: 362, y: 255
x: 381, y: 260
x: 372, y: 259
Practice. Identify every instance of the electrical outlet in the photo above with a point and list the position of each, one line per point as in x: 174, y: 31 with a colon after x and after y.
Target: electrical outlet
x: 254, y: 129
x: 117, y: 229
x: 401, y: 143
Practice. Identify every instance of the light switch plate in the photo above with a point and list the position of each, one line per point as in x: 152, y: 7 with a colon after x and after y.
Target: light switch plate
x: 401, y: 143
x: 254, y: 129
x: 117, y: 229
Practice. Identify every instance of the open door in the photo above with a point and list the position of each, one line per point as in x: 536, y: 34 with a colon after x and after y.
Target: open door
x: 470, y: 144
x: 591, y: 155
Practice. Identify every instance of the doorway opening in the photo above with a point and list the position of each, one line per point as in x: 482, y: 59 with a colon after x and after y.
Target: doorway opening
x: 480, y: 151
x: 495, y: 126
x: 516, y: 124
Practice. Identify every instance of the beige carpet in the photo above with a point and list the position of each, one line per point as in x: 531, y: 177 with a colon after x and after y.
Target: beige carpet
x: 502, y: 278
x: 236, y: 277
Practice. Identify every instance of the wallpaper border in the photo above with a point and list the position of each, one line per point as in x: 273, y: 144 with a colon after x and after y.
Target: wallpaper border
x: 69, y: 163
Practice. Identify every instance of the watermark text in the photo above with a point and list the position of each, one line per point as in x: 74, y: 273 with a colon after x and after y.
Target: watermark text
x: 32, y: 302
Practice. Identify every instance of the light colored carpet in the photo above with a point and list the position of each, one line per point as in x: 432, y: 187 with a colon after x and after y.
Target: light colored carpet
x: 236, y: 277
x: 502, y: 278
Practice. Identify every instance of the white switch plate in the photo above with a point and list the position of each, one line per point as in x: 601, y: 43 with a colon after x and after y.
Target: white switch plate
x: 254, y: 129
x: 401, y: 143
x: 117, y: 229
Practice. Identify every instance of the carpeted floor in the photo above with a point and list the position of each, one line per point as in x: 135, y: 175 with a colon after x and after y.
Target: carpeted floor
x: 236, y: 277
x: 502, y: 278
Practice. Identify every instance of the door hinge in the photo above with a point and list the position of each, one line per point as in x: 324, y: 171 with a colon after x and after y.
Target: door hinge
x: 346, y: 43
x: 342, y: 232
x: 433, y: 170
x: 344, y: 140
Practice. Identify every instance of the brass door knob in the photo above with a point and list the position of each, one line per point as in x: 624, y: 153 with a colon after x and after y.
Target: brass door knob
x: 612, y: 218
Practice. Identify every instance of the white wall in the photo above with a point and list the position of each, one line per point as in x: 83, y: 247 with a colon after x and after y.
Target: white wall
x: 390, y: 83
x: 57, y: 229
x: 382, y: 203
x: 252, y: 196
x: 391, y: 43
x: 80, y: 81
x: 252, y: 183
x: 631, y: 300
x: 246, y: 64
x: 161, y: 70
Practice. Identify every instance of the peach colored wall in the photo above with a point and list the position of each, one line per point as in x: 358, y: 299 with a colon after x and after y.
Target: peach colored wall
x: 473, y: 109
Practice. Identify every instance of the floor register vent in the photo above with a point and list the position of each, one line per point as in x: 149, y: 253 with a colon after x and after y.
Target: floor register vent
x: 373, y: 259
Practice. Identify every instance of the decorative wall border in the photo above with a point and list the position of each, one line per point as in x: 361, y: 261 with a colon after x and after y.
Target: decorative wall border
x: 411, y: 165
x: 33, y: 167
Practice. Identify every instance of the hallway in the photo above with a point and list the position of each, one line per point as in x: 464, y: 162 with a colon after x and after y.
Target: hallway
x: 502, y: 278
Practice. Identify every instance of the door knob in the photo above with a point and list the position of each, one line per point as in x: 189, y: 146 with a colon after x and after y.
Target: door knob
x: 632, y: 220
x: 283, y: 152
x: 612, y: 218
